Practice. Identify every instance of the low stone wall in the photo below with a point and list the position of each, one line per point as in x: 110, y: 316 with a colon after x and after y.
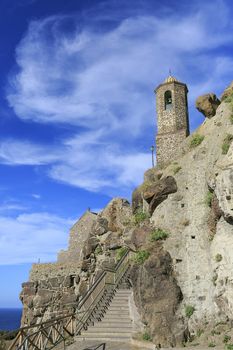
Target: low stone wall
x: 50, y: 270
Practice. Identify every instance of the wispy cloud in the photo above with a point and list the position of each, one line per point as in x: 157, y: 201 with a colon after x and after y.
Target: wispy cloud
x: 102, y: 81
x: 23, y: 238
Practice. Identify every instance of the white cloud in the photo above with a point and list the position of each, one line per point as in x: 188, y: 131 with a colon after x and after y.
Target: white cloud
x: 23, y: 238
x: 104, y: 81
x: 15, y: 152
x: 91, y: 79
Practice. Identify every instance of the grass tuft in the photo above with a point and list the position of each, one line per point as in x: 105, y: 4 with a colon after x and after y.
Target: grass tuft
x: 140, y: 216
x: 208, y: 198
x: 121, y: 252
x: 141, y: 256
x: 146, y: 337
x: 189, y: 310
x: 226, y: 143
x: 158, y: 235
x: 196, y: 140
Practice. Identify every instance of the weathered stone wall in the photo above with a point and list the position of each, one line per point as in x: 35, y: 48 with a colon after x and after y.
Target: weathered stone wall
x: 54, y: 289
x: 79, y: 233
x: 172, y: 124
x: 168, y: 146
x: 43, y: 271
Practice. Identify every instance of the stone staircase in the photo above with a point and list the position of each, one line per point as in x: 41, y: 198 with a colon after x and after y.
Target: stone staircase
x: 116, y: 325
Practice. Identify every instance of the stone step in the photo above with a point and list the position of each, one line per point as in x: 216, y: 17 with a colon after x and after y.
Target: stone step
x: 113, y: 323
x: 119, y: 307
x: 116, y: 317
x: 111, y: 326
x: 115, y: 335
x: 107, y: 330
x: 117, y: 312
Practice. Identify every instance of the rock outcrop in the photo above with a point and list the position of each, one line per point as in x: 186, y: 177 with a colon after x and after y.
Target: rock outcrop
x: 180, y: 231
x: 158, y: 296
x: 207, y: 104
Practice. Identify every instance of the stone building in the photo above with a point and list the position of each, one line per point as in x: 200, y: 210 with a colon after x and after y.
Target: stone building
x: 172, y: 119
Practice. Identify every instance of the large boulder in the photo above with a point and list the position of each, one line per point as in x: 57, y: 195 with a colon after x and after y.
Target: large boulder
x: 158, y: 296
x: 207, y: 104
x: 118, y: 214
x: 139, y: 236
x: 156, y: 193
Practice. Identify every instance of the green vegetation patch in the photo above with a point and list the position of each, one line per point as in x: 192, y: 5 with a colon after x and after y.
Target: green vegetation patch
x: 226, y: 143
x: 146, y: 337
x: 121, y: 252
x: 196, y: 140
x: 229, y: 346
x: 158, y: 235
x: 98, y: 250
x: 140, y: 216
x: 189, y: 310
x: 176, y: 169
x: 211, y: 345
x: 218, y: 257
x: 208, y: 198
x: 141, y: 256
x: 200, y: 332
x: 226, y: 338
x: 228, y: 98
x: 231, y: 119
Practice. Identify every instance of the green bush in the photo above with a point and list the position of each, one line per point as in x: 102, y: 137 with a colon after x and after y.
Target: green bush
x: 140, y: 216
x: 214, y: 279
x: 141, y: 256
x: 158, y: 235
x: 200, y: 332
x: 121, y: 252
x: 189, y: 310
x: 176, y: 169
x: 229, y: 346
x: 98, y: 250
x: 146, y: 336
x: 226, y: 143
x: 231, y: 119
x: 228, y: 99
x: 226, y: 338
x: 218, y: 257
x: 211, y: 345
x: 208, y: 198
x: 196, y: 140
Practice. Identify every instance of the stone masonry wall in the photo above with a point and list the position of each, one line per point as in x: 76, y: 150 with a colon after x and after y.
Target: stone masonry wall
x: 79, y: 233
x: 167, y: 146
x: 172, y: 124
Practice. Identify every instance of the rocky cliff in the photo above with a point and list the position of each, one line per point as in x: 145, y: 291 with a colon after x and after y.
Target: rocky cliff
x: 180, y: 228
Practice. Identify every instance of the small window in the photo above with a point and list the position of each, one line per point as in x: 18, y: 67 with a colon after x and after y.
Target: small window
x: 168, y: 99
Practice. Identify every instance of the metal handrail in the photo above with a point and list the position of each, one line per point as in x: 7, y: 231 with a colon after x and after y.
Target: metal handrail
x: 30, y: 338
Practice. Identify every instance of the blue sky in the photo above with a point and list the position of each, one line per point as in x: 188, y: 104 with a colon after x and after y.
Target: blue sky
x: 77, y: 107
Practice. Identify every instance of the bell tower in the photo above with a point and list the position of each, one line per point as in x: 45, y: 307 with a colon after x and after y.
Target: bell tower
x: 172, y: 119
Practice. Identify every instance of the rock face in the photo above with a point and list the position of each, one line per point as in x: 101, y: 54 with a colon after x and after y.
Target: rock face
x: 204, y: 188
x: 158, y: 296
x: 207, y: 104
x: 181, y: 236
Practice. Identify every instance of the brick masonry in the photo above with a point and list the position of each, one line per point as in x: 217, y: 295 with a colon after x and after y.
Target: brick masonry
x: 172, y: 123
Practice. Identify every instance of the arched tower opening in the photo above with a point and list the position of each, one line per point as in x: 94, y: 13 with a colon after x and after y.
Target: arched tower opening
x: 168, y: 100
